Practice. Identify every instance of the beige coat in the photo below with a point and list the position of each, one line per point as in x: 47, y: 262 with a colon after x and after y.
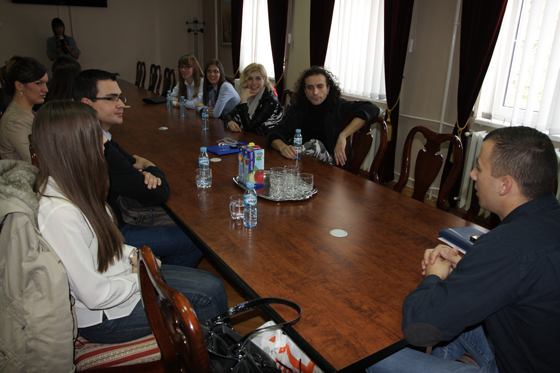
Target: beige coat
x: 36, y: 324
x: 15, y: 128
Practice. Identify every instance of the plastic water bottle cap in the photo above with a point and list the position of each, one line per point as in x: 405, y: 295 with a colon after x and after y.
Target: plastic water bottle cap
x: 168, y: 91
x: 257, y: 147
x: 203, y: 149
x: 298, y: 131
x: 251, y: 144
x: 250, y: 184
x: 182, y: 97
x: 206, y: 107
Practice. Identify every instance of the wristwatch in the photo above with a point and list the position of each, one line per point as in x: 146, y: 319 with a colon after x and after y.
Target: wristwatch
x: 131, y: 256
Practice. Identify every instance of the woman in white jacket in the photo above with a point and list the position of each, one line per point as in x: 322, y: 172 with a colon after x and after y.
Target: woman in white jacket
x: 79, y: 225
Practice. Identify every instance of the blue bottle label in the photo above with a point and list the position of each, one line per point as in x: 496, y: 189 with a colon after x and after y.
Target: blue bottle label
x: 250, y: 200
x: 203, y: 162
x: 298, y: 141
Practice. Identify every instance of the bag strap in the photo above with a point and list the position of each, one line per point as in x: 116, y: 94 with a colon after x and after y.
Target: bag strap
x: 252, y: 304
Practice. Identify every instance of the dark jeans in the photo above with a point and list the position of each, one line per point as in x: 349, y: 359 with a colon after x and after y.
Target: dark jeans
x: 204, y: 291
x: 170, y: 244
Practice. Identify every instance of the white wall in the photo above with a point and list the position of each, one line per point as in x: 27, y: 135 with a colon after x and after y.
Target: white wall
x: 111, y: 38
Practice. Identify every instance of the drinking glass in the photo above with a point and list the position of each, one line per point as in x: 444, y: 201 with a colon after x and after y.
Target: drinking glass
x: 276, y: 181
x: 291, y: 183
x: 305, y: 183
x: 236, y: 204
x: 203, y: 178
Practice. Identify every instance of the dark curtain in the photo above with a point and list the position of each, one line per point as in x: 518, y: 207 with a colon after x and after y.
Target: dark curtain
x: 278, y: 22
x: 398, y: 14
x: 480, y: 25
x: 321, y: 19
x: 236, y: 23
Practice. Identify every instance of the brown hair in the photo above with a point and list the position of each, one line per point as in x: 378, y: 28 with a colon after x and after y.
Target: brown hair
x: 189, y: 59
x: 68, y: 143
x: 208, y: 86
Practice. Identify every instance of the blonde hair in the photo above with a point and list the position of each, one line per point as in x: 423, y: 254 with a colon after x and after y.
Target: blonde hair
x: 252, y: 68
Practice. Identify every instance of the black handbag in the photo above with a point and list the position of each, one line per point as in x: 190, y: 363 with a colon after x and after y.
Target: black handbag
x: 229, y: 351
x: 138, y: 214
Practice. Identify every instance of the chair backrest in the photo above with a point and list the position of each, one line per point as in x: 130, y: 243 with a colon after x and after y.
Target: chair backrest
x: 175, y: 313
x: 357, y: 148
x: 140, y: 74
x: 428, y: 164
x: 381, y: 150
x: 169, y: 81
x: 155, y: 78
x: 284, y: 100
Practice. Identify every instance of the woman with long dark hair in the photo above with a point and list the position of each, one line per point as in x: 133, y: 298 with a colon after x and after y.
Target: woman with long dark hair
x: 219, y: 95
x: 190, y: 82
x: 62, y: 80
x: 76, y: 220
x: 26, y: 83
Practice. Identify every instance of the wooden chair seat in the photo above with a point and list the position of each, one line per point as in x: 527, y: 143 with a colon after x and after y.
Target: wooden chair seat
x: 428, y: 164
x: 100, y: 356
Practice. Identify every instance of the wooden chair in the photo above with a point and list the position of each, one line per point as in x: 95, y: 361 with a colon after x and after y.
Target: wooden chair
x: 169, y: 81
x: 155, y: 78
x: 359, y: 145
x: 174, y: 313
x: 428, y: 164
x: 140, y: 74
x: 283, y: 101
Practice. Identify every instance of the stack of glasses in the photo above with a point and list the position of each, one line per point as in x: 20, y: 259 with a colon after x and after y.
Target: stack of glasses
x: 288, y: 183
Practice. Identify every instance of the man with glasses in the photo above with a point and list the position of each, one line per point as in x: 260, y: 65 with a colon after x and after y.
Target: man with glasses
x: 132, y: 176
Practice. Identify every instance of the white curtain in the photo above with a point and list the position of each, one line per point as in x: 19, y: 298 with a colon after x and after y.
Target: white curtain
x: 355, y: 51
x: 521, y: 86
x: 255, y: 36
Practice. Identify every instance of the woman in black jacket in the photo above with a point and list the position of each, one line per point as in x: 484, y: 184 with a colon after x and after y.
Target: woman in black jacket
x: 259, y: 109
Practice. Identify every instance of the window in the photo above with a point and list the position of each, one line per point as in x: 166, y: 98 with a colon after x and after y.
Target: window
x: 355, y: 51
x: 255, y: 36
x: 521, y: 85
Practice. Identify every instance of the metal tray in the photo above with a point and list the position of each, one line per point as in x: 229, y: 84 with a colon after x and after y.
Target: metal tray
x: 264, y: 191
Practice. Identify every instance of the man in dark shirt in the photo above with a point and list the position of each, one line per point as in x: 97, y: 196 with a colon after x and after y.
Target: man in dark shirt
x: 320, y: 111
x: 501, y: 302
x: 131, y: 175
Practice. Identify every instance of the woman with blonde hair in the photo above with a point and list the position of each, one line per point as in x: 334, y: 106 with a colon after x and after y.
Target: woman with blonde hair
x: 190, y: 82
x: 77, y: 222
x: 259, y: 109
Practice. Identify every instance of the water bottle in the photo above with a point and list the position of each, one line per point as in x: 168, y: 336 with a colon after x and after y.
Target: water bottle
x: 298, y: 144
x: 183, y: 107
x: 169, y: 101
x: 205, y: 118
x: 203, y: 160
x: 250, y: 205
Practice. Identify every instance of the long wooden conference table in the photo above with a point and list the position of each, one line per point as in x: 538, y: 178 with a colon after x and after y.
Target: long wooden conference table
x: 351, y: 289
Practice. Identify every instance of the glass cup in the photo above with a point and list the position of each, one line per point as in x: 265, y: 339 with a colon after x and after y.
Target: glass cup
x: 276, y: 182
x: 203, y: 178
x: 305, y: 184
x: 236, y: 204
x: 291, y: 182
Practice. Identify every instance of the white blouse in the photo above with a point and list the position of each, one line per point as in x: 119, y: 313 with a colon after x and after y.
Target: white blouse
x: 115, y: 292
x: 191, y: 99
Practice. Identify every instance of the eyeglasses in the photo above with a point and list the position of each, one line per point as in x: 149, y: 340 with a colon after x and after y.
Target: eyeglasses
x: 213, y: 71
x: 185, y: 67
x: 113, y: 99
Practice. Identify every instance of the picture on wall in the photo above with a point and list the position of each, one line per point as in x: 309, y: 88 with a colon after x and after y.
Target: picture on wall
x: 226, y: 22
